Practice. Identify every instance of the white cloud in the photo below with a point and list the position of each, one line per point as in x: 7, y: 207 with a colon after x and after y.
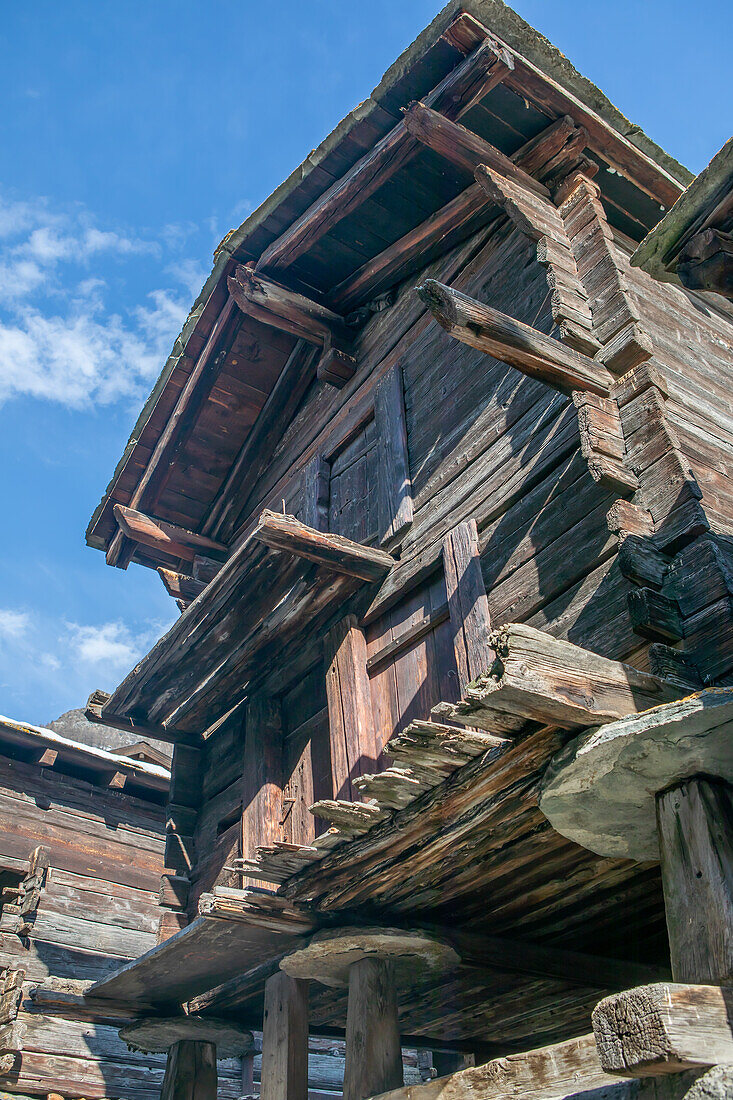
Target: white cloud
x: 111, y: 643
x: 13, y: 624
x: 80, y: 353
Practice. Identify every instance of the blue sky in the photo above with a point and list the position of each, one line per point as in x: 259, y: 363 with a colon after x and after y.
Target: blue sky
x: 134, y: 135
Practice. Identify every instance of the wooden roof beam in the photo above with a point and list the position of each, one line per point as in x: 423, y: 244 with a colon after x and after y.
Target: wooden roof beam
x: 274, y: 304
x: 547, y: 95
x: 165, y: 537
x: 462, y: 147
x: 95, y: 712
x: 330, y: 551
x: 177, y: 428
x: 182, y: 588
x: 397, y: 260
x: 472, y: 79
x: 513, y: 342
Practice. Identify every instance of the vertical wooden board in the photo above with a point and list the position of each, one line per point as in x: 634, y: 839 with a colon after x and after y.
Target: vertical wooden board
x: 695, y: 822
x: 315, y: 493
x: 445, y: 654
x: 262, y: 781
x: 395, y: 487
x: 467, y: 603
x: 298, y: 791
x: 284, y: 1073
x: 186, y: 770
x: 417, y: 686
x: 383, y: 682
x: 352, y: 736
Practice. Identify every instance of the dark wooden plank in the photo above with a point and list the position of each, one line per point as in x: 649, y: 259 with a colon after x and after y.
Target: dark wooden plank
x: 513, y: 342
x: 283, y: 532
x: 275, y: 305
x: 467, y: 603
x: 395, y: 486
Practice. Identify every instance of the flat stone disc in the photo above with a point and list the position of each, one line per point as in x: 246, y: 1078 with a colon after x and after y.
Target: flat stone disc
x: 600, y: 790
x: 156, y: 1034
x: 329, y: 954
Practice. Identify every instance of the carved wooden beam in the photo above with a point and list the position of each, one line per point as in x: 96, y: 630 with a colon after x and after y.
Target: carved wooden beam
x: 95, y: 712
x: 179, y: 586
x: 468, y: 82
x: 513, y: 342
x: 462, y: 147
x: 164, y: 537
x: 706, y: 262
x: 268, y: 301
x: 331, y: 551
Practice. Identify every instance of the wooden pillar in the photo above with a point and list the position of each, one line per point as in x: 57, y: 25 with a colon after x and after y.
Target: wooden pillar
x: 354, y: 749
x: 467, y: 603
x: 373, y: 1053
x: 262, y: 781
x: 248, y: 1075
x: 695, y: 825
x: 190, y: 1072
x: 285, y: 1039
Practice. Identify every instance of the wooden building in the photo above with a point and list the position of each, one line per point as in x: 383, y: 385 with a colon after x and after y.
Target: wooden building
x: 439, y: 481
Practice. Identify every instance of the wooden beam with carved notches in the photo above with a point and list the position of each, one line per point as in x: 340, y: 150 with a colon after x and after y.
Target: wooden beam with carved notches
x: 334, y: 552
x: 166, y: 538
x: 95, y: 712
x: 513, y: 342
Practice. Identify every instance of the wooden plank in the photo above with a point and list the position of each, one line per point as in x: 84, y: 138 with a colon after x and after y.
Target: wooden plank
x: 545, y: 679
x: 664, y: 1029
x: 166, y: 538
x: 351, y: 722
x: 695, y: 825
x: 334, y: 552
x: 373, y: 1054
x: 395, y: 487
x: 462, y: 147
x: 285, y: 1039
x: 467, y: 603
x: 190, y: 1072
x: 316, y: 478
x: 262, y: 778
x: 556, y: 1072
x: 179, y: 586
x: 275, y: 305
x: 513, y: 342
x: 476, y: 75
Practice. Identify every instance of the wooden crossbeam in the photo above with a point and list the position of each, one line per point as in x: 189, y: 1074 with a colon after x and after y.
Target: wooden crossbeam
x: 407, y: 254
x: 165, y: 537
x: 664, y: 1029
x: 331, y: 551
x: 513, y: 342
x: 95, y: 712
x: 179, y: 586
x: 471, y: 80
x: 274, y: 304
x: 462, y: 147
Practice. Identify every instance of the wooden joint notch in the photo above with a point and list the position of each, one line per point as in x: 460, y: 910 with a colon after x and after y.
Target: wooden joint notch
x: 654, y: 615
x: 276, y: 305
x: 95, y: 712
x: 513, y: 342
x: 166, y: 538
x: 330, y: 551
x: 602, y: 441
x: 336, y: 365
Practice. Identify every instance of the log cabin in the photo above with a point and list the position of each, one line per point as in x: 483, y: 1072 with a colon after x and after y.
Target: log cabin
x: 440, y: 483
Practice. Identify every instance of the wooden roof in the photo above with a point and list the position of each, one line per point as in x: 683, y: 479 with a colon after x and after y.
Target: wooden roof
x: 176, y: 463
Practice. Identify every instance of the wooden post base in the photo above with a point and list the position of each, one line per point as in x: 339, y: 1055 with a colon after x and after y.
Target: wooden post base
x: 190, y: 1072
x: 373, y: 1052
x: 695, y: 823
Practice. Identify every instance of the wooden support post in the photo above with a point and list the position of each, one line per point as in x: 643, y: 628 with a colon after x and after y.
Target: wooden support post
x: 467, y: 603
x: 695, y: 824
x: 262, y: 781
x: 395, y: 486
x: 513, y: 342
x: 190, y: 1072
x: 285, y: 1039
x: 352, y: 735
x: 373, y: 1053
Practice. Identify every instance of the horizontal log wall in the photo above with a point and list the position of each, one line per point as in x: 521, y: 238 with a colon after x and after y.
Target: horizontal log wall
x: 96, y: 909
